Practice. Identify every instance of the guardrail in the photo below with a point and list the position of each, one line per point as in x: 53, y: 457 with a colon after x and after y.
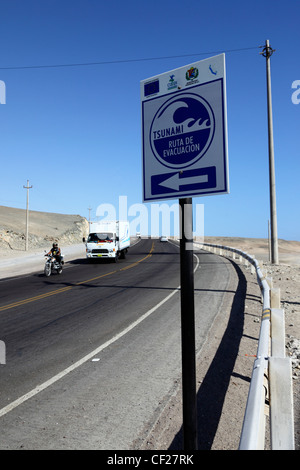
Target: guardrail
x: 271, y: 378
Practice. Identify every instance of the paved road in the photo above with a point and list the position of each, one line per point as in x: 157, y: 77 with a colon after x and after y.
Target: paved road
x: 93, y: 354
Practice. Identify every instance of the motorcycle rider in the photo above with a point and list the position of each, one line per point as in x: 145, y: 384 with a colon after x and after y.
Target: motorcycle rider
x: 56, y: 253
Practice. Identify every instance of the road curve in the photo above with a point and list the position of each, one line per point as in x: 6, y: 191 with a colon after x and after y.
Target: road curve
x: 93, y: 354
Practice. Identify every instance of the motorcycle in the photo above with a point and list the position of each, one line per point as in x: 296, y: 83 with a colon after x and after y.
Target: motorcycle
x: 52, y: 265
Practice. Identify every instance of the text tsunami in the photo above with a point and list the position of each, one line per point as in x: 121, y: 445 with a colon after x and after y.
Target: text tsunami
x: 167, y: 132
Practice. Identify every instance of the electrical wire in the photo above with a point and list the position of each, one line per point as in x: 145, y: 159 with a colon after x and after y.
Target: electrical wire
x: 109, y: 62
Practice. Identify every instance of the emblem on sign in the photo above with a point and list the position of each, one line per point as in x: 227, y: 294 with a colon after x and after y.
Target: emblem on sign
x: 182, y: 130
x: 192, y: 73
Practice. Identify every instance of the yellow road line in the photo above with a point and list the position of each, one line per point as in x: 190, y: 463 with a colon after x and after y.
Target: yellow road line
x: 95, y: 278
x: 33, y: 299
x: 143, y: 259
x: 65, y: 289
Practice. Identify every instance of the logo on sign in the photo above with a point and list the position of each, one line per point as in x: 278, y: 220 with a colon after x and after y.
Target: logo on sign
x: 172, y: 83
x: 182, y: 130
x: 192, y: 73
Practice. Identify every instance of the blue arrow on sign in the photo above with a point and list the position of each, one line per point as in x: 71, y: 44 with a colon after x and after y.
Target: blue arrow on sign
x: 184, y: 180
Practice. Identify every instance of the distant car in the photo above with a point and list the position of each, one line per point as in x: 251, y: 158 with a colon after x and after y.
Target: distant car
x: 163, y: 239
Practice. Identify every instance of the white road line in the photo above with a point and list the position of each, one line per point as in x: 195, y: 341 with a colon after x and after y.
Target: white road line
x: 86, y: 358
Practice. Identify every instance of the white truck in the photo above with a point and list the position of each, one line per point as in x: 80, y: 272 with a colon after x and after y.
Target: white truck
x: 108, y: 240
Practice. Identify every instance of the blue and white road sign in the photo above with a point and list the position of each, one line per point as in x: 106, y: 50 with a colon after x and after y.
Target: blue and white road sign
x: 184, y: 132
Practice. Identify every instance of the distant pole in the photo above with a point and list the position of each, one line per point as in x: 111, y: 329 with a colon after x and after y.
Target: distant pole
x: 89, y: 209
x: 27, y: 214
x: 269, y: 241
x: 267, y: 52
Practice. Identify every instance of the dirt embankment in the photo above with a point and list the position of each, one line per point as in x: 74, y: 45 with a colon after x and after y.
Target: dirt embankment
x: 43, y: 229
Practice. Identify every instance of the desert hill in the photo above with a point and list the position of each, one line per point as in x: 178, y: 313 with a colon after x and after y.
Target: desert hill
x: 43, y: 229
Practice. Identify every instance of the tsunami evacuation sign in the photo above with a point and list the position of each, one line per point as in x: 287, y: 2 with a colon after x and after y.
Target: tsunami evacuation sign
x: 184, y: 132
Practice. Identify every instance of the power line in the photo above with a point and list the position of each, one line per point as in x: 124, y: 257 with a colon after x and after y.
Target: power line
x: 109, y: 62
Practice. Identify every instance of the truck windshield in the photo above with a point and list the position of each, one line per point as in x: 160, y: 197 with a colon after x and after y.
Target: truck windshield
x: 100, y: 237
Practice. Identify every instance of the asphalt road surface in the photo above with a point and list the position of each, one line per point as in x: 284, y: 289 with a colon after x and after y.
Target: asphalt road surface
x: 92, y: 354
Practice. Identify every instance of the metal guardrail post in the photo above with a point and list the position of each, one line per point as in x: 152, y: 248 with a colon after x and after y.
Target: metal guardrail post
x: 276, y: 367
x: 281, y: 393
x: 2, y: 353
x: 277, y: 332
x: 281, y: 409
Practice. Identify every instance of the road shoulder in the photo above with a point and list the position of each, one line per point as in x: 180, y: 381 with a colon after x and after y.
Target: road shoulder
x: 216, y: 370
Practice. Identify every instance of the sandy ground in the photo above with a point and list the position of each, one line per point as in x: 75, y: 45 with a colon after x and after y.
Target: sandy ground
x: 221, y: 378
x: 17, y: 264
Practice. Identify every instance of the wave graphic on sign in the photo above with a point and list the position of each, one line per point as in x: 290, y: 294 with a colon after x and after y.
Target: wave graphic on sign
x: 192, y: 110
x: 182, y: 131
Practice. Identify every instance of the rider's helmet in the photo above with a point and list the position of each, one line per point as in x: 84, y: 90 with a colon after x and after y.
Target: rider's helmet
x: 55, y: 245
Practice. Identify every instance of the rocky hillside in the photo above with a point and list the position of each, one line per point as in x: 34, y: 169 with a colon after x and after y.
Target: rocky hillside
x: 43, y: 229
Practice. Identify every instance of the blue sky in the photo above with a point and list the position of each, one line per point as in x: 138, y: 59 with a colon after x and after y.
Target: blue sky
x: 75, y: 132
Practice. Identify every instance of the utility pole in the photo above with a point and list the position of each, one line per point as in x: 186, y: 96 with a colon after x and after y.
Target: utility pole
x: 27, y: 213
x: 89, y: 209
x: 269, y: 240
x: 267, y: 52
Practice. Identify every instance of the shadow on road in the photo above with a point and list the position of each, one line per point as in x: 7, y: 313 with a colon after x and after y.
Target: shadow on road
x: 212, y: 392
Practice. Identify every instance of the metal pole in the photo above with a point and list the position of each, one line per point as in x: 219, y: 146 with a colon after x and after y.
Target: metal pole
x: 27, y: 214
x: 189, y: 395
x: 89, y: 209
x: 269, y: 241
x: 267, y: 52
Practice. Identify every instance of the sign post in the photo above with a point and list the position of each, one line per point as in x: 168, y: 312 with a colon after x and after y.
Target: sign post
x: 188, y: 348
x: 184, y: 151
